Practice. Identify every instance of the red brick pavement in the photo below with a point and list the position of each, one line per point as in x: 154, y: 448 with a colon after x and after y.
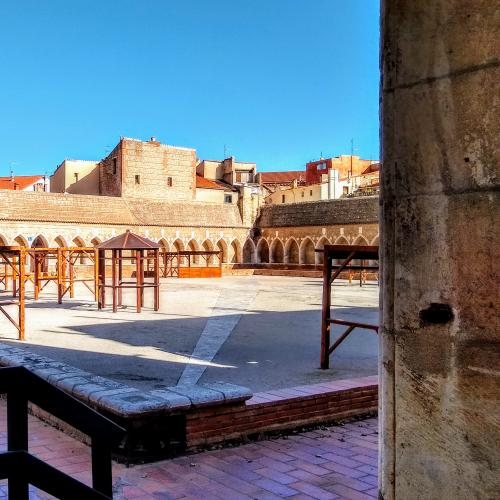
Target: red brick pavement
x: 328, y: 463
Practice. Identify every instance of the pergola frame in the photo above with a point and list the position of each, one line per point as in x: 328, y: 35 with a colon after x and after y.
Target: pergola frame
x: 14, y: 260
x: 144, y: 254
x: 344, y: 253
x: 171, y: 263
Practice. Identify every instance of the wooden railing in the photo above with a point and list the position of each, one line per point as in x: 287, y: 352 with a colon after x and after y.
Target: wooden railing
x: 21, y: 468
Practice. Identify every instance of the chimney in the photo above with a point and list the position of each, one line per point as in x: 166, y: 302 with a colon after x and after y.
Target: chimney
x: 153, y: 139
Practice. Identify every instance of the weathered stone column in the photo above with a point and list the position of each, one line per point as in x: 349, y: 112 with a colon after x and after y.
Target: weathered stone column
x: 440, y: 368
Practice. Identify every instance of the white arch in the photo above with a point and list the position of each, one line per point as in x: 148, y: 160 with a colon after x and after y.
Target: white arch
x: 235, y: 251
x: 306, y: 251
x: 319, y: 246
x: 249, y: 252
x: 292, y: 256
x: 41, y: 241
x: 277, y: 252
x: 222, y: 245
x: 360, y: 240
x: 375, y: 241
x: 341, y: 240
x: 59, y: 241
x: 263, y: 251
x: 164, y: 243
x: 20, y: 240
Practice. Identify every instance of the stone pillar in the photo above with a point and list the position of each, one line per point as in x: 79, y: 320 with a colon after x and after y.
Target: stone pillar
x: 439, y: 367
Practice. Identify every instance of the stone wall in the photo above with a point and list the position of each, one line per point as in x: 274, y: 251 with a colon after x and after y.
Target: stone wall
x: 440, y: 344
x: 320, y: 213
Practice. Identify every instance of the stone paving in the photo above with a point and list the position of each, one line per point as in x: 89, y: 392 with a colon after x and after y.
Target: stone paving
x: 335, y: 462
x: 261, y: 332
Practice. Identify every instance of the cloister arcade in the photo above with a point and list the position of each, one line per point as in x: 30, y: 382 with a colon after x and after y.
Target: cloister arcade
x: 264, y: 250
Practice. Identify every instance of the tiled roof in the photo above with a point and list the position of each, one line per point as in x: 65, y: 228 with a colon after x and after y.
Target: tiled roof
x: 282, y: 177
x: 373, y: 167
x: 128, y: 241
x: 202, y: 182
x: 21, y: 181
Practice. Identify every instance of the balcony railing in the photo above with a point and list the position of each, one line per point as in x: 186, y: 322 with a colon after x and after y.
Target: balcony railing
x: 21, y: 468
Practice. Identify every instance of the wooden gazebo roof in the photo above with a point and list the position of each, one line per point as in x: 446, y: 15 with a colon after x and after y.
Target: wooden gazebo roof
x: 128, y: 241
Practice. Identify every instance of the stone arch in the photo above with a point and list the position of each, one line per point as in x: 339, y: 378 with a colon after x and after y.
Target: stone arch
x: 307, y: 254
x: 193, y: 246
x: 292, y: 251
x: 341, y: 240
x: 177, y: 246
x: 95, y: 241
x: 277, y: 253
x: 40, y: 242
x: 3, y: 241
x: 208, y: 246
x: 21, y: 241
x: 249, y: 252
x: 60, y: 241
x: 319, y: 246
x: 360, y: 240
x: 222, y: 246
x: 78, y: 241
x: 263, y: 251
x: 375, y: 241
x: 164, y: 244
x: 235, y: 251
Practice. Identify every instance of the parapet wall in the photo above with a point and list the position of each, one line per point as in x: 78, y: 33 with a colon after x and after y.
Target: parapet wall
x: 320, y: 213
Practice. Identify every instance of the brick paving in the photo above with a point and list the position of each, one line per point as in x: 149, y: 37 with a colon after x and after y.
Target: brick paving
x: 335, y: 462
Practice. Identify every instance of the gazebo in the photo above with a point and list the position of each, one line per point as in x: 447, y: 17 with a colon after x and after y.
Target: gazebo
x: 132, y: 248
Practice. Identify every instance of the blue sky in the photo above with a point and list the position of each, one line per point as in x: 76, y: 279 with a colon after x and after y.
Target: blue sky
x: 277, y: 81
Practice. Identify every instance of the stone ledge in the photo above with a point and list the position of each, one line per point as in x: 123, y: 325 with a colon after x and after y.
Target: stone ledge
x: 119, y: 399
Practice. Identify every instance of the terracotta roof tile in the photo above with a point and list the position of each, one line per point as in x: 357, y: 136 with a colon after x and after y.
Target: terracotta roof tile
x: 21, y: 181
x: 202, y: 182
x: 282, y: 177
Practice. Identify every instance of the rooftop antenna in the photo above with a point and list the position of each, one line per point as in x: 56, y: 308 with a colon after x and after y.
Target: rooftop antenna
x: 226, y: 149
x: 12, y: 163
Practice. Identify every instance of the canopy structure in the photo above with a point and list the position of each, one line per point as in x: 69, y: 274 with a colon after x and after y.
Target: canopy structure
x: 138, y: 252
x: 367, y: 260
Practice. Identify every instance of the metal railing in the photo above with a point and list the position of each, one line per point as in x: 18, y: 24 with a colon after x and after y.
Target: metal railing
x: 21, y: 468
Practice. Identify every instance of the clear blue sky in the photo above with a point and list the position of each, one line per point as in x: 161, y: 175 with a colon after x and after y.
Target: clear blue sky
x: 276, y: 81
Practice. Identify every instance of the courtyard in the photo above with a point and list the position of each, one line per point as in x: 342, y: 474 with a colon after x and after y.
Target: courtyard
x: 261, y: 332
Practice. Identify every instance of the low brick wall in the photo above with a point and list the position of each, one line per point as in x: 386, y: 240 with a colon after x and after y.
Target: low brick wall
x: 281, y: 410
x: 166, y: 422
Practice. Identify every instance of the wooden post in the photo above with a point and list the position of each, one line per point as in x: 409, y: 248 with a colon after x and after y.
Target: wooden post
x: 114, y: 273
x: 326, y: 312
x: 120, y: 277
x: 96, y: 274
x: 138, y: 280
x: 22, y: 286
x: 156, y: 280
x: 102, y: 279
x: 71, y: 275
x: 38, y: 259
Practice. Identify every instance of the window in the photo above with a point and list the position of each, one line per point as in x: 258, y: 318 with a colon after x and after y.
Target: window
x: 76, y: 176
x: 228, y: 198
x: 114, y: 166
x: 302, y: 194
x: 137, y: 179
x: 321, y: 166
x: 310, y: 192
x: 169, y: 182
x: 283, y: 198
x: 242, y: 176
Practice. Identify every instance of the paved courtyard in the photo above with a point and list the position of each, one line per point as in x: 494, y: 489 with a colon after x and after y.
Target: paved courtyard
x: 262, y: 332
x: 335, y: 462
